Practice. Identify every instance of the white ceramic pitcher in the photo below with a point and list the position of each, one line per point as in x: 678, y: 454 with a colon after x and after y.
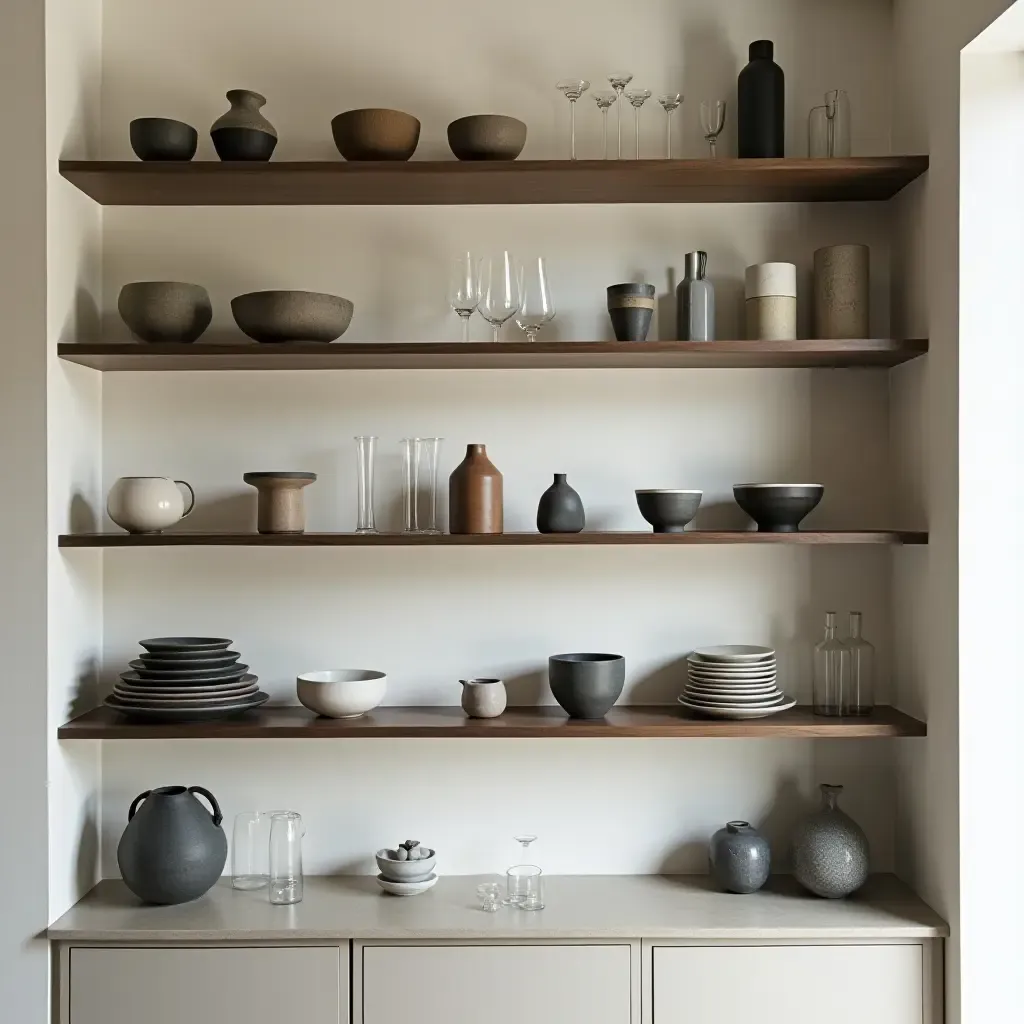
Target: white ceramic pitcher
x: 148, y: 504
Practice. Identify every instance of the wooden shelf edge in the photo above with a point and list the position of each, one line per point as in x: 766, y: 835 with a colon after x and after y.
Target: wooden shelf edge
x: 624, y: 538
x: 808, y: 354
x: 637, y: 721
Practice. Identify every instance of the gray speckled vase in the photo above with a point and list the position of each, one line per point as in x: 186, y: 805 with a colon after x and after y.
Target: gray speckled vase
x: 830, y: 850
x: 739, y: 858
x: 243, y: 133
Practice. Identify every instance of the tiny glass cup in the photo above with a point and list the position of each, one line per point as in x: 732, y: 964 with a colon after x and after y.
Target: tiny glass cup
x: 490, y: 896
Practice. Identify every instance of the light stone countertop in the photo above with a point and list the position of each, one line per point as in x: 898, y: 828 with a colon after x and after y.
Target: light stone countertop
x: 577, y: 907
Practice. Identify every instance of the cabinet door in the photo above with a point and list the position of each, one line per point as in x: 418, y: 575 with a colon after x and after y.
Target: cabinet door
x: 788, y: 984
x: 497, y: 984
x: 207, y: 986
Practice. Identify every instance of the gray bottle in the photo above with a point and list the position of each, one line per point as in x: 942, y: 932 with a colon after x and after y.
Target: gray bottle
x: 695, y: 301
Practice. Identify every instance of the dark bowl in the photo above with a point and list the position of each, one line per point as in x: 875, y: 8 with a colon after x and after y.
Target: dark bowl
x: 239, y: 143
x: 375, y: 133
x: 165, y: 311
x: 668, y: 511
x: 487, y: 137
x: 276, y: 317
x: 161, y: 138
x: 777, y: 508
x: 586, y: 685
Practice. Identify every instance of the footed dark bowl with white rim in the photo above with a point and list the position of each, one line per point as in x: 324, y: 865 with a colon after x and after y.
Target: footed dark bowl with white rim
x: 667, y: 510
x: 778, y: 508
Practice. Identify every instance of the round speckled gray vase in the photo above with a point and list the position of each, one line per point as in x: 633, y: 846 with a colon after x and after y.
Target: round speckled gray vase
x: 739, y: 858
x: 173, y: 849
x: 830, y: 850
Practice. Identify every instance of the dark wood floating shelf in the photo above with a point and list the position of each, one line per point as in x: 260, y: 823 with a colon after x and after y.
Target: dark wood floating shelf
x: 513, y: 355
x: 446, y: 722
x: 422, y: 183
x: 314, y: 540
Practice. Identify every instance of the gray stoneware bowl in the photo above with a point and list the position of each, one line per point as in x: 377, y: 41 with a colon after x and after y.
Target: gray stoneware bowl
x: 165, y: 311
x: 405, y: 870
x: 161, y: 138
x: 668, y: 511
x: 487, y: 137
x: 777, y: 508
x: 586, y: 685
x: 278, y: 317
x: 375, y: 133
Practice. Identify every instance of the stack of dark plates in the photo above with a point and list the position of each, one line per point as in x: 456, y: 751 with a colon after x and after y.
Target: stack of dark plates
x: 186, y: 679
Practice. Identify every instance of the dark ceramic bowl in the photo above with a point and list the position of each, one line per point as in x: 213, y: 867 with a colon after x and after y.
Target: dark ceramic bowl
x: 375, y: 133
x: 668, y: 511
x: 487, y: 137
x: 275, y: 317
x: 165, y: 311
x: 161, y: 138
x: 586, y: 685
x: 777, y: 508
x: 630, y: 308
x: 237, y: 143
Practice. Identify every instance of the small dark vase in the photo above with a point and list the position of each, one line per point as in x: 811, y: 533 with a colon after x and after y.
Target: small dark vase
x: 560, y: 509
x: 631, y: 307
x: 475, y: 494
x: 762, y: 104
x: 243, y: 133
x: 739, y: 858
x: 173, y: 850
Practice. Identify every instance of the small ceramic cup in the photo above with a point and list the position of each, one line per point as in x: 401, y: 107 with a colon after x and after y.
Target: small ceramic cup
x: 631, y: 307
x: 483, y: 698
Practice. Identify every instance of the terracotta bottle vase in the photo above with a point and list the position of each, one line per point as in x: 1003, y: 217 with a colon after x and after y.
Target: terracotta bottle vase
x: 280, y: 507
x: 475, y: 494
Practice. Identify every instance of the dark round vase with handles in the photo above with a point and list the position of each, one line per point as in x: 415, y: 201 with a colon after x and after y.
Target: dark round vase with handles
x: 173, y: 849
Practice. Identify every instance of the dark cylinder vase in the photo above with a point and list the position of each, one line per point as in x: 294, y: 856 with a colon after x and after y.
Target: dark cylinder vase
x: 739, y: 858
x: 560, y: 509
x: 762, y: 104
x: 173, y: 849
x: 631, y: 307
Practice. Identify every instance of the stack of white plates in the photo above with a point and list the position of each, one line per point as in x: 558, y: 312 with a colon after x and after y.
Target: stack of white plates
x: 734, y: 681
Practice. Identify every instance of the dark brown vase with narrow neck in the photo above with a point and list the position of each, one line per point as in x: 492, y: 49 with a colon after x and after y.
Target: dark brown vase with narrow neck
x: 475, y: 494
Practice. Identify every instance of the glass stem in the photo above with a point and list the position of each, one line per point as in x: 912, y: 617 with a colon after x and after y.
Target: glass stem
x: 618, y: 125
x: 604, y: 118
x: 713, y: 153
x: 465, y: 328
x: 494, y: 332
x: 572, y: 129
x: 636, y: 129
x: 531, y: 335
x: 668, y: 135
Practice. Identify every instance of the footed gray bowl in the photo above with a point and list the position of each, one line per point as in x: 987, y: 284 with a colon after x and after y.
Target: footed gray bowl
x: 276, y: 317
x: 777, y: 508
x: 165, y: 311
x: 668, y: 511
x: 586, y: 685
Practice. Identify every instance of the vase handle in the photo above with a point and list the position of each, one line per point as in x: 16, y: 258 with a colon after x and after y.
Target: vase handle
x: 135, y: 803
x: 217, y: 816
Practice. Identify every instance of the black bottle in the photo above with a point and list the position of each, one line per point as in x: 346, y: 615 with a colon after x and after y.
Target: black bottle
x: 762, y: 104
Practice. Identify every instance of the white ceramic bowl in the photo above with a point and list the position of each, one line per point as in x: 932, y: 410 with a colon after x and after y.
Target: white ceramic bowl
x: 342, y: 692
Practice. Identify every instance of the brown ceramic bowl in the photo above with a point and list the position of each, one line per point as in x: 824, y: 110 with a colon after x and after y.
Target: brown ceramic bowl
x: 278, y: 317
x: 487, y: 137
x: 374, y: 133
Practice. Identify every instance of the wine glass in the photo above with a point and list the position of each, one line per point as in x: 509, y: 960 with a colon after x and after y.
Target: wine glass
x: 498, y: 292
x: 535, y: 306
x: 637, y: 98
x: 618, y: 81
x: 670, y: 102
x: 712, y: 121
x: 464, y: 289
x: 573, y: 89
x: 604, y: 99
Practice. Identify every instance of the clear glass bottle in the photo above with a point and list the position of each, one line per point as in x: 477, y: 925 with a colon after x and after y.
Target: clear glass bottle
x: 831, y: 671
x: 860, y: 692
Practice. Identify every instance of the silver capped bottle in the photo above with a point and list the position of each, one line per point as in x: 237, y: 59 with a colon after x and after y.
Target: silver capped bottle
x: 695, y: 301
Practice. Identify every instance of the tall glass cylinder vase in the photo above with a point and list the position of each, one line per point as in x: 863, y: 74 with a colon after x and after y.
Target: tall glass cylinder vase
x: 420, y: 457
x: 366, y: 454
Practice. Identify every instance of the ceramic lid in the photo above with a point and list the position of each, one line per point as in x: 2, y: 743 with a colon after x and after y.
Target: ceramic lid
x: 770, y: 279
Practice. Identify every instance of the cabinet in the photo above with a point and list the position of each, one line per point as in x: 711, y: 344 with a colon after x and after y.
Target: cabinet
x: 841, y: 984
x: 264, y: 985
x: 507, y: 984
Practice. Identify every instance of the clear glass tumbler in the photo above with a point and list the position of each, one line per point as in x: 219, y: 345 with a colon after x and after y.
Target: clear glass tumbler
x: 286, y: 832
x: 490, y: 896
x: 525, y: 890
x: 366, y: 454
x: 420, y: 457
x: 250, y: 847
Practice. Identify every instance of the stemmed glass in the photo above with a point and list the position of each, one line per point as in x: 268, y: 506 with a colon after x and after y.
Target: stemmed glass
x: 535, y: 305
x: 464, y: 289
x: 498, y: 292
x: 604, y: 100
x: 637, y: 98
x: 618, y: 81
x: 670, y: 102
x: 712, y: 121
x: 573, y: 89
x: 523, y: 881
